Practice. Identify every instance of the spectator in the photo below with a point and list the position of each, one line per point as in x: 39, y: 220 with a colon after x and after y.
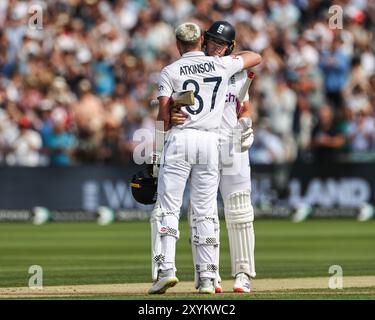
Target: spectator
x: 99, y: 60
x: 361, y: 132
x: 60, y: 143
x: 281, y: 105
x: 26, y: 147
x: 267, y: 147
x: 103, y: 75
x: 326, y: 137
x: 335, y: 66
x: 109, y: 150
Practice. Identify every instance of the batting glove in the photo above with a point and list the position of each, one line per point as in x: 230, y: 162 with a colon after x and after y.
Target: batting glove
x: 155, y: 164
x: 247, y: 135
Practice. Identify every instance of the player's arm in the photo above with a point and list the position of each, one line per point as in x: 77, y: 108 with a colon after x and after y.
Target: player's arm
x: 161, y: 128
x: 163, y: 119
x: 250, y: 58
x: 164, y: 93
x: 164, y: 111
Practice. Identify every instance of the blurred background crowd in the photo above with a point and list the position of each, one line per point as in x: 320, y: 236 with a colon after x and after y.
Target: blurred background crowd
x: 75, y: 91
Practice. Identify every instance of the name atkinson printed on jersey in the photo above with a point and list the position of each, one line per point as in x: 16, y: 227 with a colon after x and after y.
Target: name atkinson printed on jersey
x: 197, y: 68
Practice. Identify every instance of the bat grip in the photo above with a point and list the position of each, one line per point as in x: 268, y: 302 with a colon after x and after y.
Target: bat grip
x: 250, y: 74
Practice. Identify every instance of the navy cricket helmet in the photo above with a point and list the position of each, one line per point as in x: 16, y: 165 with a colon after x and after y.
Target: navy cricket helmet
x: 222, y: 30
x: 144, y: 186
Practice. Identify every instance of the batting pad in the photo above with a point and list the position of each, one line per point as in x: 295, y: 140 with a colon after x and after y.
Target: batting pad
x: 162, y: 225
x: 239, y: 216
x: 198, y: 241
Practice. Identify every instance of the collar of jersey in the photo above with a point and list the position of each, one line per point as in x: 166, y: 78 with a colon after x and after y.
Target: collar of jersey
x: 193, y: 54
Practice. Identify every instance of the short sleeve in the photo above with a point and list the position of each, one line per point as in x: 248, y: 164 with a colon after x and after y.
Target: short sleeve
x: 233, y: 64
x: 165, y: 86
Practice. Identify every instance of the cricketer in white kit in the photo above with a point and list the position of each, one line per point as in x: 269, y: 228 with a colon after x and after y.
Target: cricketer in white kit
x: 191, y: 149
x: 235, y: 185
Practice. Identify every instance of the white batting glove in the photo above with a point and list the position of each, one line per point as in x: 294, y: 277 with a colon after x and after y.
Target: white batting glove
x: 155, y: 161
x: 247, y: 135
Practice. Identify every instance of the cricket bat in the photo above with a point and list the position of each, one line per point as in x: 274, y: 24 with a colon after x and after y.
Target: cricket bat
x: 245, y: 89
x: 246, y: 86
x: 178, y: 98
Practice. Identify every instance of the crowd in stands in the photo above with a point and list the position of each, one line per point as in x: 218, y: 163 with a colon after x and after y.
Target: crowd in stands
x: 75, y: 90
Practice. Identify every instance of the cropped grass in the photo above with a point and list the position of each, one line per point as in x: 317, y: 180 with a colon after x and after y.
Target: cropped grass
x: 86, y: 253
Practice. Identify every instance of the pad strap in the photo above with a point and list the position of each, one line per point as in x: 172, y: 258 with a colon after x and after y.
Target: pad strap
x: 205, y: 241
x: 206, y: 267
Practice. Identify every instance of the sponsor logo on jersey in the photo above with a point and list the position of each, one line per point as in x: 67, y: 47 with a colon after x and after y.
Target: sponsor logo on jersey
x: 230, y: 97
x: 197, y: 68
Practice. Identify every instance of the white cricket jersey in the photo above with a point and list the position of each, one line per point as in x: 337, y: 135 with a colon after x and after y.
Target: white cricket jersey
x: 208, y: 77
x: 229, y: 120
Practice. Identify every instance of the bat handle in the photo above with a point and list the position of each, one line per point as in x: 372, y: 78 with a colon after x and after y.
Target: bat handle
x: 250, y: 74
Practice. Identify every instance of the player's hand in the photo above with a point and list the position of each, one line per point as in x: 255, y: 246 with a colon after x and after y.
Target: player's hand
x: 247, y: 134
x: 177, y: 116
x: 155, y: 164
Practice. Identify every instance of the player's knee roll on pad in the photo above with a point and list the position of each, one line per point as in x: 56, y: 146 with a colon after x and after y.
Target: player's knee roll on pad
x: 162, y: 224
x: 199, y: 240
x: 239, y: 217
x: 192, y: 224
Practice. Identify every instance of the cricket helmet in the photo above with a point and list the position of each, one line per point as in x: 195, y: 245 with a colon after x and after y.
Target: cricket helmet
x: 144, y: 186
x: 222, y: 30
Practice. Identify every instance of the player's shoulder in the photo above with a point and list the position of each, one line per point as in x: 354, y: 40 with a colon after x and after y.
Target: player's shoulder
x: 222, y: 59
x: 171, y: 68
x: 228, y: 60
x: 167, y: 68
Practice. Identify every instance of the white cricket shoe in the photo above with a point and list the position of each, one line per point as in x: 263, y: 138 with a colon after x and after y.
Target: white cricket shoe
x: 206, y: 286
x: 241, y: 283
x: 166, y: 280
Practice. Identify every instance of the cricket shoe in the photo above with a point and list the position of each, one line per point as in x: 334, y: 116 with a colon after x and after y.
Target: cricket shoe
x: 241, y: 283
x: 166, y: 279
x: 206, y: 286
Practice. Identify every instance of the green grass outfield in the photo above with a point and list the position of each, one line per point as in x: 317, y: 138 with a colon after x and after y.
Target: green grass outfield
x: 86, y: 253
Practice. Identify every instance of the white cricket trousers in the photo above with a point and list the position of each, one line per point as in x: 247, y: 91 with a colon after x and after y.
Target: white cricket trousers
x: 194, y: 153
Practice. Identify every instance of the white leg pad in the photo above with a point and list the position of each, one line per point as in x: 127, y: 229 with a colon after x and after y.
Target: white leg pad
x: 193, y: 248
x: 198, y: 240
x: 217, y: 247
x: 239, y: 217
x: 161, y: 228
